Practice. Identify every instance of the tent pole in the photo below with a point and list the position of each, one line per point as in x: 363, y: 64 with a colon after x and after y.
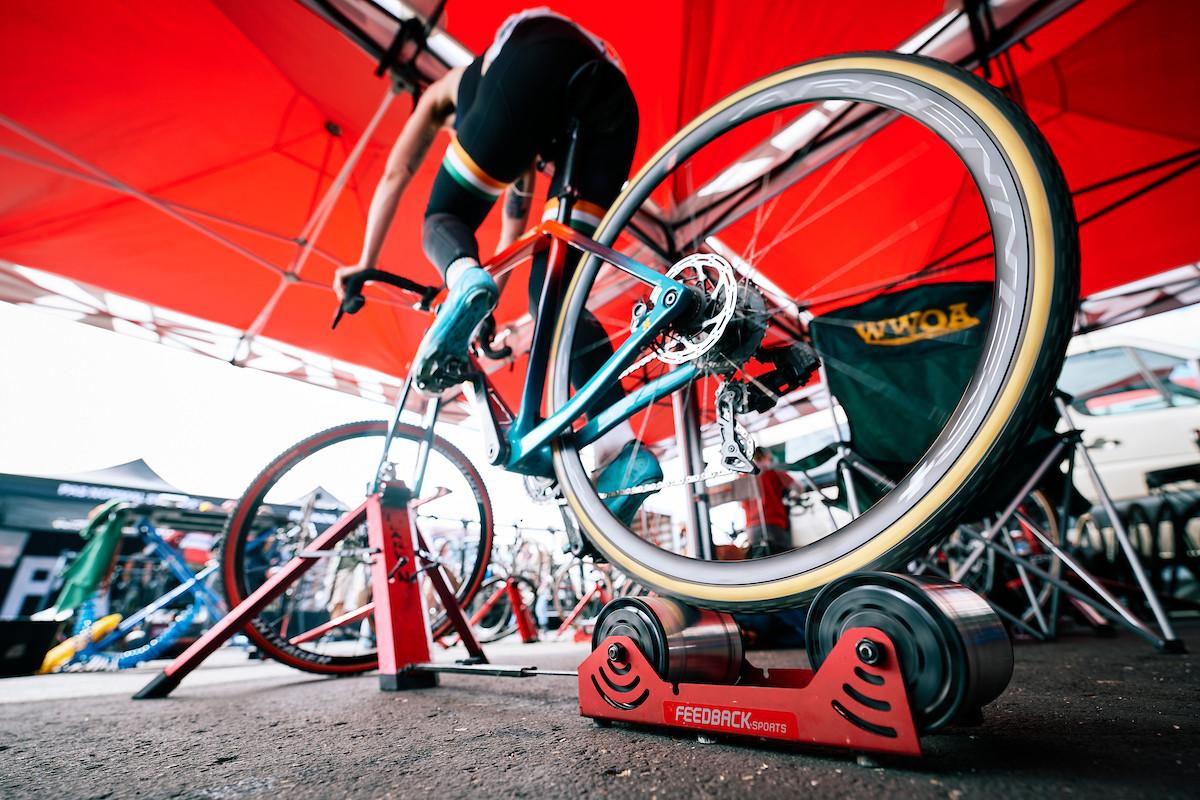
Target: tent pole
x: 120, y: 186
x: 687, y: 428
x: 83, y: 177
x: 316, y: 223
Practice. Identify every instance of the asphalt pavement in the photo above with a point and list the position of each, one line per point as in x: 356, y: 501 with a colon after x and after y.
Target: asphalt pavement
x: 1083, y: 717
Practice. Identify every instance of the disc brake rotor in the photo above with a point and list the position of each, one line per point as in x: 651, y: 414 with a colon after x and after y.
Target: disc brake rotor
x: 713, y: 279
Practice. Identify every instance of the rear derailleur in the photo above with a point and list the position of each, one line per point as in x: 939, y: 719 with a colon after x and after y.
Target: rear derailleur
x: 793, y: 364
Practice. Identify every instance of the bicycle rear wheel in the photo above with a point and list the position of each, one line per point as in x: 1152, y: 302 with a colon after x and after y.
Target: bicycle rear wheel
x: 822, y: 199
x: 306, y: 489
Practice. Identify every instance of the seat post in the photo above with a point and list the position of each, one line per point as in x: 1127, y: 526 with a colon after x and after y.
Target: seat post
x: 568, y: 194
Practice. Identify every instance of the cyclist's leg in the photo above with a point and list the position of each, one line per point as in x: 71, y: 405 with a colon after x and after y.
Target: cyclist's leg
x: 494, y: 144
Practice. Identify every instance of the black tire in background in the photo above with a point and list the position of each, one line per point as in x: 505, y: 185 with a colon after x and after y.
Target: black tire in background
x: 241, y: 525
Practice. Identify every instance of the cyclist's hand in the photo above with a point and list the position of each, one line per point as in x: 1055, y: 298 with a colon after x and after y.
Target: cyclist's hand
x: 339, y: 278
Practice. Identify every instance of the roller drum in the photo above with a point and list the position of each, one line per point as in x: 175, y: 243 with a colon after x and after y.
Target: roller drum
x: 683, y: 644
x: 954, y: 651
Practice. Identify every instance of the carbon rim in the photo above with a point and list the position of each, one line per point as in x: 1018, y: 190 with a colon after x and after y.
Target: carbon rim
x: 1020, y: 325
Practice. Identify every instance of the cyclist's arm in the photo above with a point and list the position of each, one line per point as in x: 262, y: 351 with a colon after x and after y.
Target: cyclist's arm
x: 433, y: 111
x: 517, y: 200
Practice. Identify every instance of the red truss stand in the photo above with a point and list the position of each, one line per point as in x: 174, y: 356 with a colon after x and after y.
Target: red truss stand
x: 856, y: 700
x: 526, y: 626
x: 401, y: 624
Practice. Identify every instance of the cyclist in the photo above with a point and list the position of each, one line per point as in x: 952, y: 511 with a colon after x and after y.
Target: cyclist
x: 508, y: 108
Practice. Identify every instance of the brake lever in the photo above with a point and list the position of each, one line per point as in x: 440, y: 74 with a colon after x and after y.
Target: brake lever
x: 487, y: 330
x: 353, y: 299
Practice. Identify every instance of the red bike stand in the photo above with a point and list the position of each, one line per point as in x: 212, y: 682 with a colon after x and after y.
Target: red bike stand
x: 401, y: 623
x: 401, y: 627
x: 856, y: 700
x: 595, y: 592
x: 526, y: 626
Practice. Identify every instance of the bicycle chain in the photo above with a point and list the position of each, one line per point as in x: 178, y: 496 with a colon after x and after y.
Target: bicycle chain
x: 649, y: 488
x: 654, y: 487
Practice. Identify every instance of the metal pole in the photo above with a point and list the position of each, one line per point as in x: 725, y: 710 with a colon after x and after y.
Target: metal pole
x: 848, y: 481
x: 1047, y: 462
x: 1030, y: 594
x: 691, y: 456
x: 391, y: 432
x: 1135, y: 563
x: 120, y: 186
x: 431, y: 415
x: 316, y: 223
x: 1117, y: 613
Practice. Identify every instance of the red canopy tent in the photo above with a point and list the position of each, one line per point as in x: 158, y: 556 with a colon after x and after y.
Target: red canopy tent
x: 183, y: 155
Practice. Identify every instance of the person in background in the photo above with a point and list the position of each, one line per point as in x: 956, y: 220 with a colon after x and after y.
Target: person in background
x: 767, y: 519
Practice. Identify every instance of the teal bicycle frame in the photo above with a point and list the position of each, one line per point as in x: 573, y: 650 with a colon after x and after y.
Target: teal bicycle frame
x: 521, y: 442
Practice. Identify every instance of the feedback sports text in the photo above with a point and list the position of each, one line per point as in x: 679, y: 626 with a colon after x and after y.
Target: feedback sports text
x: 754, y: 721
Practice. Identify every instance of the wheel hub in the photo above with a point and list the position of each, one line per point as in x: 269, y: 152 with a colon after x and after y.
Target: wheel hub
x: 729, y: 321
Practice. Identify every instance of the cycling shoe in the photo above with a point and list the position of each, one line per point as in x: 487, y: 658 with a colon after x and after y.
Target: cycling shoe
x: 441, y: 361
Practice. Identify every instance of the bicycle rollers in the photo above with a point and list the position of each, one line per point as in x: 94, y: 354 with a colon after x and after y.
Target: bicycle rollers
x: 954, y: 651
x: 683, y: 644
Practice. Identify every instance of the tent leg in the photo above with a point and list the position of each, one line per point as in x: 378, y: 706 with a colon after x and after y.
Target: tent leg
x: 687, y: 428
x: 1171, y: 641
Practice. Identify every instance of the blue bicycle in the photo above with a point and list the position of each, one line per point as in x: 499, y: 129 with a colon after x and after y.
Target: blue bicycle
x: 145, y: 604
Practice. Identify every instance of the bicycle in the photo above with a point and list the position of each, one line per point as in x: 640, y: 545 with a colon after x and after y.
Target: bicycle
x: 505, y: 603
x: 580, y: 590
x: 142, y: 605
x: 707, y: 310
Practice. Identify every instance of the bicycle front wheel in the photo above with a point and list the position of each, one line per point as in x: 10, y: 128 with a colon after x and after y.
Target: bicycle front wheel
x: 889, y: 212
x: 322, y: 621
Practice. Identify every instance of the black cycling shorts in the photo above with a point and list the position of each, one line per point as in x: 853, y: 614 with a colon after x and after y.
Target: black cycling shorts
x: 518, y: 111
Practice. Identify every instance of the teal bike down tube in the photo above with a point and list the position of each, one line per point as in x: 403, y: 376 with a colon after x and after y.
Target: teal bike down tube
x: 637, y: 400
x: 670, y: 302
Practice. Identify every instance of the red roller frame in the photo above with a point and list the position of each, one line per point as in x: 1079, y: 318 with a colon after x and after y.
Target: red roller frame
x: 855, y: 700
